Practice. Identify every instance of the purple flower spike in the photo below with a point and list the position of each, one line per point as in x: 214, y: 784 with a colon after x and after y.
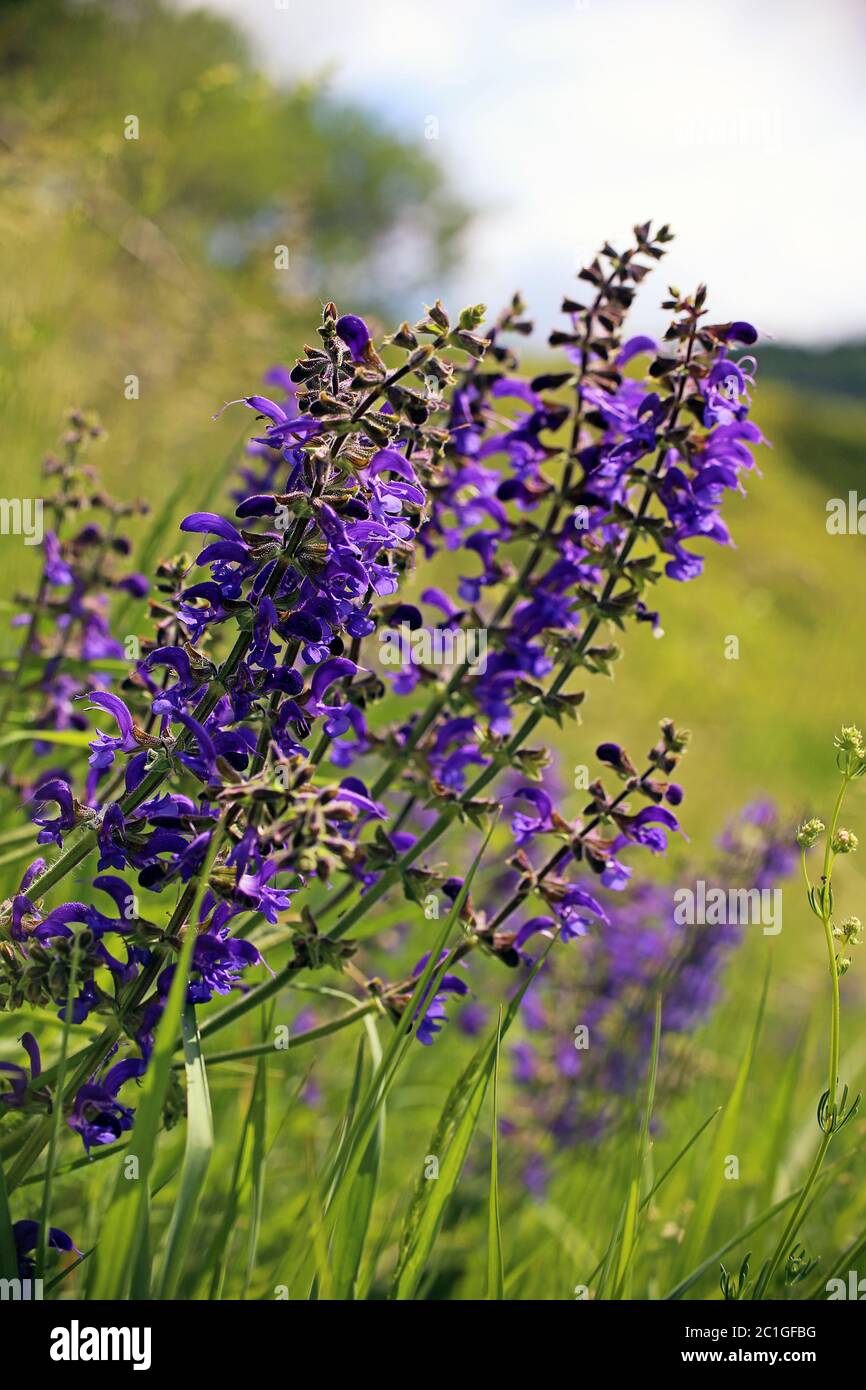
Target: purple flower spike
x: 609, y: 753
x: 328, y: 673
x: 265, y: 749
x: 431, y: 1015
x: 117, y: 708
x: 337, y: 720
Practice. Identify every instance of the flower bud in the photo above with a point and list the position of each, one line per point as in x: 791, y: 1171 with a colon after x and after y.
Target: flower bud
x: 810, y: 832
x: 473, y: 316
x: 438, y: 316
x: 844, y: 842
x: 850, y: 740
x: 851, y: 929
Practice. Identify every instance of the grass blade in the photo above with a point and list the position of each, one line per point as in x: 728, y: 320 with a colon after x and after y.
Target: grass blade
x: 495, y: 1267
x: 712, y: 1261
x: 459, y: 1119
x: 350, y: 1232
x: 85, y: 1161
x: 69, y: 738
x: 351, y: 1153
x: 710, y: 1191
x: 196, y: 1160
x: 259, y: 1107
x: 450, y: 1144
x: 779, y: 1124
x: 628, y: 1244
x: 8, y: 1256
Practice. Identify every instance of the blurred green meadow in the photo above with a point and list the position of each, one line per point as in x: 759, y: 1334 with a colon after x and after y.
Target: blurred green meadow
x: 156, y: 260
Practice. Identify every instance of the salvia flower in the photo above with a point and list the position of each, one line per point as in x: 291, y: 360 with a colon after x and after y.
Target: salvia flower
x: 558, y: 500
x: 26, y: 1237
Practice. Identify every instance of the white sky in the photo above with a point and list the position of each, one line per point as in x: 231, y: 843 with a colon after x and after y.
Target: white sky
x: 740, y: 122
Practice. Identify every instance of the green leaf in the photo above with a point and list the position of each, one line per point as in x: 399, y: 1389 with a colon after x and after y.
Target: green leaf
x: 85, y: 1161
x: 663, y: 1179
x: 65, y: 1273
x: 139, y: 1284
x: 21, y: 832
x: 849, y: 1259
x: 323, y: 1030
x: 458, y: 1121
x: 216, y: 1259
x: 36, y: 664
x: 70, y: 738
x: 778, y: 1124
x: 712, y: 1261
x: 15, y: 856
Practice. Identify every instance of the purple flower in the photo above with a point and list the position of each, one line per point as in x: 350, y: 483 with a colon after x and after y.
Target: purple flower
x: 355, y: 334
x: 97, y: 1115
x: 633, y: 348
x: 25, y: 1235
x: 430, y: 1013
x: 53, y: 828
x: 105, y: 746
x: 211, y: 524
x: 546, y: 925
x: 526, y: 827
x: 20, y: 1079
x: 326, y: 675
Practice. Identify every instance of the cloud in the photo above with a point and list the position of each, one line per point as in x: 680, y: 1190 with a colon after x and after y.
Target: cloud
x: 565, y: 121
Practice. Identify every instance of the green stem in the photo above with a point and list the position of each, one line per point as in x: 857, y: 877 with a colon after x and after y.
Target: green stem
x: 835, y: 1017
x: 323, y: 1030
x: 506, y: 603
x: 835, y: 1010
x: 796, y: 1216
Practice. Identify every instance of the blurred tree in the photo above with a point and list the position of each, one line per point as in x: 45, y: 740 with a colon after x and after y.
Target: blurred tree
x: 149, y: 178
x: 219, y: 158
